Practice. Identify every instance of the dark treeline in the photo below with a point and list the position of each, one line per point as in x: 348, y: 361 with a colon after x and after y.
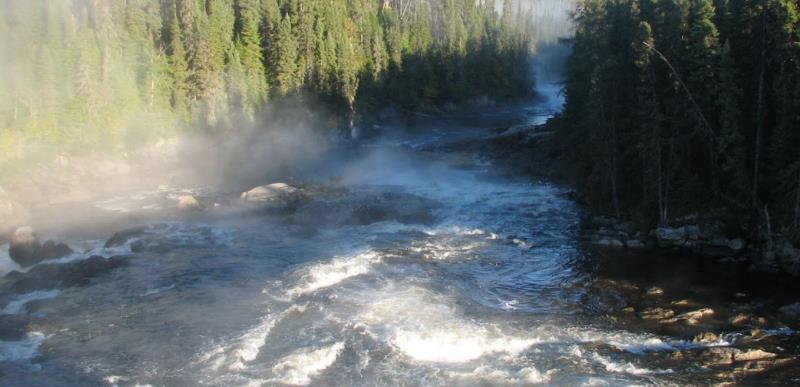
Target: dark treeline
x: 111, y: 72
x: 677, y: 107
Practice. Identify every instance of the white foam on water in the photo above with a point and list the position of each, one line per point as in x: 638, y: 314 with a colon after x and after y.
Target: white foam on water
x: 329, y: 273
x: 457, y: 344
x: 17, y: 304
x: 247, y: 347
x: 150, y: 292
x: 15, y: 351
x: 486, y: 374
x: 442, y: 250
x: 631, y: 342
x: 299, y: 368
x: 430, y: 329
x: 114, y: 379
x: 626, y: 368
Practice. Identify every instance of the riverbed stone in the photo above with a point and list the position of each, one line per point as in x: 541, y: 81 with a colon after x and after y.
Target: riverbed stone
x: 657, y: 313
x: 609, y: 242
x: 706, y: 338
x: 635, y: 244
x: 753, y: 354
x: 736, y: 244
x: 655, y: 291
x: 276, y: 196
x: 189, y: 203
x: 26, y: 250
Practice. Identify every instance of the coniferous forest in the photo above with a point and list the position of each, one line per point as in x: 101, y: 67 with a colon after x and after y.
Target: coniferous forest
x: 113, y: 73
x: 679, y: 107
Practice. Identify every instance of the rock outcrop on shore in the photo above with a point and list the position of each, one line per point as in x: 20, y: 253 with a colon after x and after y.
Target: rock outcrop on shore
x: 704, y: 238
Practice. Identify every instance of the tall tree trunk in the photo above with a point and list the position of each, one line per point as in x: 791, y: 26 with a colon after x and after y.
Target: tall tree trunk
x: 613, y: 170
x: 662, y: 207
x: 796, y: 222
x: 759, y: 120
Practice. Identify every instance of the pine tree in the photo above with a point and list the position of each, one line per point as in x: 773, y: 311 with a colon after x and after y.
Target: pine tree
x: 250, y: 52
x: 283, y: 59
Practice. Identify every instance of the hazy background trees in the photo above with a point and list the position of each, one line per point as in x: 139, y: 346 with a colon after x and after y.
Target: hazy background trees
x: 110, y: 74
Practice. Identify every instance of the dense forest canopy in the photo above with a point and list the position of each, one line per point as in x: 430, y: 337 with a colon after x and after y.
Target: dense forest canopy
x: 112, y: 73
x: 677, y: 107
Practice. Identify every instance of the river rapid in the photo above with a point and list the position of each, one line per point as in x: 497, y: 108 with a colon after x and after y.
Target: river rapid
x: 455, y: 274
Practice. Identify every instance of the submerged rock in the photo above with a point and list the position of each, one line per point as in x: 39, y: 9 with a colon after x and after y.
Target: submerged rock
x: 13, y: 327
x: 356, y: 208
x: 61, y: 276
x: 26, y: 250
x: 122, y: 237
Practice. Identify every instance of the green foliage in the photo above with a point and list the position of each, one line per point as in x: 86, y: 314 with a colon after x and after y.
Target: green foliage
x: 703, y: 99
x: 114, y: 73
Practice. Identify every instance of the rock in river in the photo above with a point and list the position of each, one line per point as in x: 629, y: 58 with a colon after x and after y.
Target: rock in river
x: 26, y: 250
x: 276, y: 196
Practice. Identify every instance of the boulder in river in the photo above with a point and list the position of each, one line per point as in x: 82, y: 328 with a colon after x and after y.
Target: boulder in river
x: 276, y: 196
x: 60, y: 276
x: 189, y: 203
x: 26, y: 250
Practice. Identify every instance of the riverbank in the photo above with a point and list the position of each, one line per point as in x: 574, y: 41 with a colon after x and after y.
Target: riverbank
x: 719, y: 234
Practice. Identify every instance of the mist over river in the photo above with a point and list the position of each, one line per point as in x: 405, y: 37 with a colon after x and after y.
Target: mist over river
x: 414, y: 263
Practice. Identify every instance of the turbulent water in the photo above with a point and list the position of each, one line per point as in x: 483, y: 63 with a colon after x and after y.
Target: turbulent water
x: 489, y: 288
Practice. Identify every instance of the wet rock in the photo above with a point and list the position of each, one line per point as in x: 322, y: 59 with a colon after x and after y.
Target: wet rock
x: 694, y: 317
x: 718, y: 355
x: 787, y: 250
x: 189, y: 203
x: 736, y: 244
x: 655, y: 291
x: 24, y: 247
x: 635, y: 244
x: 122, y: 237
x: 276, y: 196
x: 753, y: 354
x: 26, y: 250
x: 706, y: 338
x: 13, y: 327
x: 683, y: 303
x: 791, y: 309
x: 608, y: 242
x: 657, y: 313
x: 671, y: 235
x: 61, y: 276
x: 746, y: 319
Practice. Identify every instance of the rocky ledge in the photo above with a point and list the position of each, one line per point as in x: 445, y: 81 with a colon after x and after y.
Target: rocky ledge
x: 707, y: 238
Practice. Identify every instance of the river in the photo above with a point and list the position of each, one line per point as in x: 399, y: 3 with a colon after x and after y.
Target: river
x: 463, y: 276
